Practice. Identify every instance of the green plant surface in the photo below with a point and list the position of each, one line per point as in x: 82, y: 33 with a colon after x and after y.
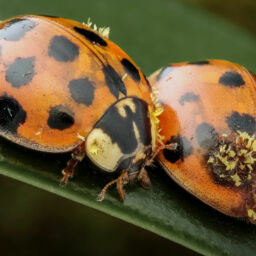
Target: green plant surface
x: 153, y: 33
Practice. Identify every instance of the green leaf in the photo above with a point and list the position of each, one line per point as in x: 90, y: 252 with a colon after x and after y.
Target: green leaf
x: 154, y: 33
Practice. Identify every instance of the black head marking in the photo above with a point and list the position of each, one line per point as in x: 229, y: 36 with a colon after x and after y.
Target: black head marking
x: 188, y: 97
x: 82, y: 91
x: 12, y: 114
x: 113, y: 81
x: 183, y: 150
x: 131, y: 70
x: 60, y: 118
x: 20, y: 72
x: 62, y: 49
x: 206, y: 136
x: 121, y: 130
x: 91, y: 36
x: 231, y: 79
x: 241, y: 122
x: 164, y: 73
x: 199, y: 63
x: 16, y: 29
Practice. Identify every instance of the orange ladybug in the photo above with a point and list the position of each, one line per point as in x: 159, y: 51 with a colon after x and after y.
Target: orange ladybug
x: 66, y: 87
x: 210, y: 112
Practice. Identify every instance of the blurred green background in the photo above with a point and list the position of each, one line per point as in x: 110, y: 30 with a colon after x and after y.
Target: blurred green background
x: 34, y: 222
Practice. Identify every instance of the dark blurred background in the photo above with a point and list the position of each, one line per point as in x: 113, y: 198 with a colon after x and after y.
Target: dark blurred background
x: 35, y: 222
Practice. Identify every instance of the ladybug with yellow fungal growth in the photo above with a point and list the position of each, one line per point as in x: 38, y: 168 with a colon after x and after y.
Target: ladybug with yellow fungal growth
x: 210, y: 112
x: 66, y: 88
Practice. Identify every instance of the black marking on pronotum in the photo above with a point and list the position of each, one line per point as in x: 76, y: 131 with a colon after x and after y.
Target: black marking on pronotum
x: 131, y: 70
x: 20, y: 72
x: 164, y: 73
x: 241, y: 122
x: 231, y: 79
x: 60, y: 118
x: 113, y: 81
x: 91, y: 36
x: 121, y: 129
x: 12, y: 114
x: 82, y: 91
x: 183, y: 150
x: 62, y: 49
x: 188, y: 97
x: 206, y: 136
x: 16, y: 29
x: 199, y: 63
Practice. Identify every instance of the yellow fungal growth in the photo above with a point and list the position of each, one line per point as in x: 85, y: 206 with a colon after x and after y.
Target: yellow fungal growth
x: 236, y: 180
x: 251, y: 214
x: 80, y: 137
x: 155, y: 111
x: 103, y: 31
x: 234, y: 159
x: 94, y: 148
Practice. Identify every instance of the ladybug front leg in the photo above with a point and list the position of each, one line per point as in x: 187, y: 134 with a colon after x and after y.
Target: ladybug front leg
x: 77, y: 155
x: 122, y: 180
x: 125, y: 178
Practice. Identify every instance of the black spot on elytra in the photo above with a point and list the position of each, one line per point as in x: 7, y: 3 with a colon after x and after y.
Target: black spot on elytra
x: 91, y: 36
x: 20, y: 72
x: 206, y: 136
x: 131, y: 70
x: 183, y: 150
x: 147, y: 82
x: 232, y: 79
x: 60, y: 118
x: 12, y: 114
x: 121, y: 130
x: 165, y: 72
x: 199, y: 63
x: 48, y: 16
x: 113, y: 81
x: 82, y: 91
x: 241, y: 122
x: 16, y: 29
x: 188, y: 97
x: 62, y: 49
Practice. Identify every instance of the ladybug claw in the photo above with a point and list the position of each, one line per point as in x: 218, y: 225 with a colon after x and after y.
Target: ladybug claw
x: 144, y: 179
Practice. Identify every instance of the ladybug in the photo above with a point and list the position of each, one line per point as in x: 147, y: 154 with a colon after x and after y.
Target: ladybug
x: 210, y: 112
x: 65, y: 87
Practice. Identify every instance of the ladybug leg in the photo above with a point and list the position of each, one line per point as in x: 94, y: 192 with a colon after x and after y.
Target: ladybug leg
x: 122, y: 180
x: 144, y: 179
x: 77, y: 156
x: 171, y: 146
